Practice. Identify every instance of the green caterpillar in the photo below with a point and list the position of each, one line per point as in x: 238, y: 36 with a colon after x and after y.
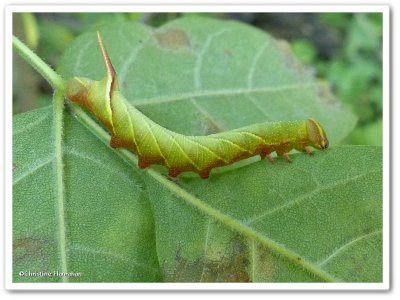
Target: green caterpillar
x: 155, y: 144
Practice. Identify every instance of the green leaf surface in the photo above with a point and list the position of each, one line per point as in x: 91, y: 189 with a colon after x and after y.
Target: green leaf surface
x: 317, y: 219
x: 200, y: 76
x: 109, y: 234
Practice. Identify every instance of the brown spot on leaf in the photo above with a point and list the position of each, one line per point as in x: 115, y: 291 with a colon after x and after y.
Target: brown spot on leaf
x: 231, y: 266
x: 172, y: 38
x: 227, y: 52
x: 28, y: 248
x: 14, y: 166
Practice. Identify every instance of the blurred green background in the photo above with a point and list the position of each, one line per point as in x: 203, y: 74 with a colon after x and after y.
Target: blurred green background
x: 343, y: 49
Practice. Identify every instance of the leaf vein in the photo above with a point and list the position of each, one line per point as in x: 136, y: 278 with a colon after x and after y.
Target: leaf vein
x: 347, y: 245
x: 254, y: 102
x: 307, y: 196
x: 129, y: 61
x: 81, y: 51
x: 33, y: 167
x: 33, y: 124
x: 253, y: 65
x: 104, y: 252
x: 215, y: 93
x: 206, y: 113
x: 199, y: 60
x: 72, y: 151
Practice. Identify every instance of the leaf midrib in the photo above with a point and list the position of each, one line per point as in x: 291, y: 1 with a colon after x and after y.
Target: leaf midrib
x: 58, y: 113
x: 222, y: 92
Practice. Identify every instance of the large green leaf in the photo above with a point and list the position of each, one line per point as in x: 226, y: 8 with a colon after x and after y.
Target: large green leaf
x: 108, y: 226
x: 316, y: 219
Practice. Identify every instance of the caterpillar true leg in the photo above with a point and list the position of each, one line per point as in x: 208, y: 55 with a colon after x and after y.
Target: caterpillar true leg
x: 269, y: 157
x: 287, y: 157
x: 308, y: 151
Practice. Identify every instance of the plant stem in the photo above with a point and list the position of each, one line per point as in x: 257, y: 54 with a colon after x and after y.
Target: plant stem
x: 39, y: 65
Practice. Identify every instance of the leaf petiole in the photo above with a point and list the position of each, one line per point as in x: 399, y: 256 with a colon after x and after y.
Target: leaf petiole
x: 39, y: 65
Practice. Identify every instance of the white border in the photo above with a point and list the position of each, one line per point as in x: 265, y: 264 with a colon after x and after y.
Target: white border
x: 198, y: 8
x: 197, y: 286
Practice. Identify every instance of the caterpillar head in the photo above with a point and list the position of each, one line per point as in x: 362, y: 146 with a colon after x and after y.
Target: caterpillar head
x: 316, y: 135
